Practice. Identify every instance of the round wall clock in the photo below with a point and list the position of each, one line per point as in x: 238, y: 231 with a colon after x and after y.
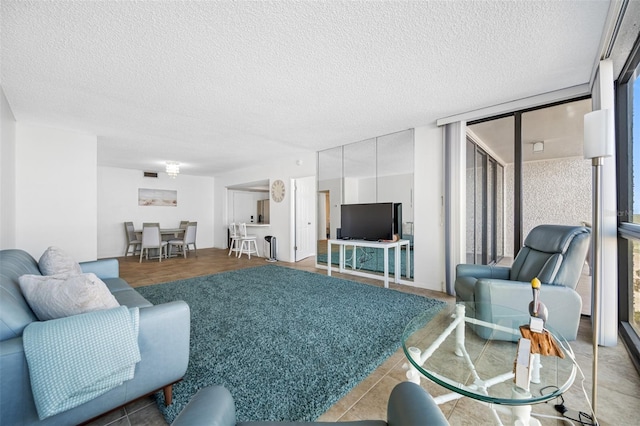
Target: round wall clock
x: 277, y: 190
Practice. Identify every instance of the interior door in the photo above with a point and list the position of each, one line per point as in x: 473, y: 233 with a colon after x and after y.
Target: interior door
x: 305, y: 217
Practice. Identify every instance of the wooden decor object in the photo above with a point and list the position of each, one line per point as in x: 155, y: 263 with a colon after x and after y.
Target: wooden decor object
x: 542, y: 343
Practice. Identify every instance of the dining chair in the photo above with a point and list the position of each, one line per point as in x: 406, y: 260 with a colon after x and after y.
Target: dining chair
x: 188, y: 240
x: 152, y: 239
x: 234, y: 246
x: 246, y: 241
x: 132, y: 239
x: 183, y: 228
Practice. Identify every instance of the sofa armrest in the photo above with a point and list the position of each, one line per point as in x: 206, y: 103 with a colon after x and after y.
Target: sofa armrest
x: 104, y: 268
x: 482, y: 271
x: 211, y: 406
x: 411, y: 405
x: 164, y: 346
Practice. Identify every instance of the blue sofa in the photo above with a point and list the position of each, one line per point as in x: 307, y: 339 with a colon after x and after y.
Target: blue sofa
x: 409, y: 405
x: 163, y: 341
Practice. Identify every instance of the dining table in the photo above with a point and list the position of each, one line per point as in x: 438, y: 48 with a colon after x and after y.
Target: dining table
x: 166, y: 233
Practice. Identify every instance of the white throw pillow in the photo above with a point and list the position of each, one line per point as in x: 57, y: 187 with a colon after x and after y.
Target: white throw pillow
x: 58, y: 296
x: 55, y: 261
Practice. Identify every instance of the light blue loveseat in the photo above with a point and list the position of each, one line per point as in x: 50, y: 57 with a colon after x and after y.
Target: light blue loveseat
x: 163, y: 341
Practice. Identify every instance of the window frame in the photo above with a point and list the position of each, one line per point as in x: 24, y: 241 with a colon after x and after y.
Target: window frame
x: 628, y: 231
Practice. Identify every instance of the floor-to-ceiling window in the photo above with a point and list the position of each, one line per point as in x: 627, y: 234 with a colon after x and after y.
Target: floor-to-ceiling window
x: 628, y: 157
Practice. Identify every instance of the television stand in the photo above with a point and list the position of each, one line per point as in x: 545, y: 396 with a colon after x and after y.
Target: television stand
x: 385, y: 245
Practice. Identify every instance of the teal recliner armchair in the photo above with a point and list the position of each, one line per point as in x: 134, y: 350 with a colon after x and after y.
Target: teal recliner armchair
x: 555, y: 254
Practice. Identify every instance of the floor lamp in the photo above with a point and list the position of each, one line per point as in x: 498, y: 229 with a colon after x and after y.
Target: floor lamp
x: 598, y: 144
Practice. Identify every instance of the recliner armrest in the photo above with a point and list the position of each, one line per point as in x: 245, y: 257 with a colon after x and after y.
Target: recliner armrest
x: 411, y: 405
x: 211, y: 406
x: 564, y: 304
x: 483, y: 271
x: 104, y: 268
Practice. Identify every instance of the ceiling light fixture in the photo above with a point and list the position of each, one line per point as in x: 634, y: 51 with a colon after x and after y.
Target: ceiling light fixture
x: 538, y: 146
x: 173, y: 168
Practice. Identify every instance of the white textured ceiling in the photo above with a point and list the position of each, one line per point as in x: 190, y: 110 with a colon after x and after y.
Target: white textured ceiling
x: 219, y: 86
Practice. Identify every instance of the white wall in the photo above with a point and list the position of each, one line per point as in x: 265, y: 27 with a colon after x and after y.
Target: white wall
x: 568, y: 204
x: 7, y: 175
x: 281, y: 215
x: 56, y: 200
x: 118, y: 203
x: 429, y: 267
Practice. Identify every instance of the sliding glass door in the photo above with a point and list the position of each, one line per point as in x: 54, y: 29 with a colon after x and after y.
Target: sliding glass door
x: 528, y: 170
x: 485, y: 238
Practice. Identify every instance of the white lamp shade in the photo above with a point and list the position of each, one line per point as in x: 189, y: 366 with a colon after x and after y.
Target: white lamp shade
x: 598, y: 134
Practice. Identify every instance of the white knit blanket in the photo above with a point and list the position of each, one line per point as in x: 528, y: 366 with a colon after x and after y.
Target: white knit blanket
x: 75, y: 359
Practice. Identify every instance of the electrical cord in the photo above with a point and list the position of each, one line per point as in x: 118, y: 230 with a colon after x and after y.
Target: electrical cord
x: 572, y: 415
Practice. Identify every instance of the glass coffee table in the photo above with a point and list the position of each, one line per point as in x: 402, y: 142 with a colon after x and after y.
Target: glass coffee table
x: 448, y: 350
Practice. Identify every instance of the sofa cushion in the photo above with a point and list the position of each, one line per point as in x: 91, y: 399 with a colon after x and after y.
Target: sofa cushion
x: 62, y: 295
x: 55, y: 261
x: 15, y: 312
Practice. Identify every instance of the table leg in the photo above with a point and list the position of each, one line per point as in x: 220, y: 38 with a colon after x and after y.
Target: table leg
x: 354, y: 257
x: 397, y: 266
x: 341, y: 257
x: 386, y: 267
x: 413, y: 375
x: 535, y: 369
x: 408, y: 262
x: 460, y: 329
x: 522, y: 413
x: 329, y: 257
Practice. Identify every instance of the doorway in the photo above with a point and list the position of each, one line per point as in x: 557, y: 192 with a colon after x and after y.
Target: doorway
x: 304, y: 218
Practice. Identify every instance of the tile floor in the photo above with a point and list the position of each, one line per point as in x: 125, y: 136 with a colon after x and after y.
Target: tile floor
x: 618, y: 390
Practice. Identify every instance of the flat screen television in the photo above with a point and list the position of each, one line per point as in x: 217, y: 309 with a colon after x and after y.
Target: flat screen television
x: 371, y: 221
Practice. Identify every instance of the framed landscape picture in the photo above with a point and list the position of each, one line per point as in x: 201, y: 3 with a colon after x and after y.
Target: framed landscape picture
x: 157, y: 197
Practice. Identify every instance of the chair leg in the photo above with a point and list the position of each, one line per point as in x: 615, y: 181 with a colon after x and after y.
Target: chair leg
x: 141, y: 252
x: 255, y: 246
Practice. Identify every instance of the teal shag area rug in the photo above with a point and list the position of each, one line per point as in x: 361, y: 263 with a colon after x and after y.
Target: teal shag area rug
x: 288, y: 344
x: 370, y: 259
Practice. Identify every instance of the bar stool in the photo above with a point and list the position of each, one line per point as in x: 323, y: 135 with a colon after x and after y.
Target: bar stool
x: 246, y: 241
x: 234, y: 246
